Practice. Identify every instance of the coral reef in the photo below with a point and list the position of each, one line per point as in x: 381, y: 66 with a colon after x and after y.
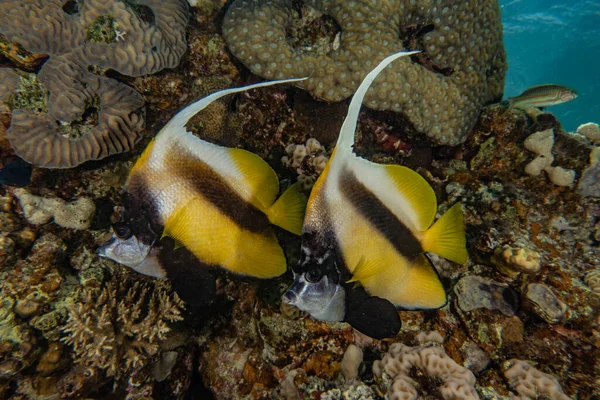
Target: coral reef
x: 308, y: 160
x: 97, y: 116
x: 541, y: 143
x: 440, y: 92
x: 592, y: 279
x: 513, y: 260
x: 591, y: 131
x: 116, y: 329
x: 528, y: 291
x: 475, y: 292
x: 436, y: 372
x: 531, y: 383
x: 545, y: 302
x: 38, y: 210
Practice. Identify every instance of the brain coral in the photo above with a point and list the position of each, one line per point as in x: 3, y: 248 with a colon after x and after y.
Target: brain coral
x: 440, y: 91
x: 448, y: 379
x: 86, y: 116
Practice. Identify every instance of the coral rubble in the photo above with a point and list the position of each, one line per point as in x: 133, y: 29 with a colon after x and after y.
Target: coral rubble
x: 461, y: 67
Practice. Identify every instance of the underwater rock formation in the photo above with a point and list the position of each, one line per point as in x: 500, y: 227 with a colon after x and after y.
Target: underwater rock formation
x: 85, y: 116
x: 440, y: 92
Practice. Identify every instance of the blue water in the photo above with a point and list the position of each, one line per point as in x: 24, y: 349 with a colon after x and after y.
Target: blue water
x: 555, y: 41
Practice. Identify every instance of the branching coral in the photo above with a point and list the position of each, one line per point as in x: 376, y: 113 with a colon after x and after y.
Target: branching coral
x: 86, y: 116
x: 117, y: 328
x: 406, y: 366
x: 440, y: 91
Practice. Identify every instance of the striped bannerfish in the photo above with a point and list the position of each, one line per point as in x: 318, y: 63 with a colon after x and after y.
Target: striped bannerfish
x: 370, y: 224
x: 542, y: 96
x: 216, y: 202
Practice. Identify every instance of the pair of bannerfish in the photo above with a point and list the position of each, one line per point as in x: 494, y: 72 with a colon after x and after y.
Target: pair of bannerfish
x: 189, y: 205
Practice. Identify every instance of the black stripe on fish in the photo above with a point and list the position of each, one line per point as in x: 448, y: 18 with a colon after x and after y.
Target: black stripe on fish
x: 139, y: 211
x: 211, y: 186
x: 384, y: 220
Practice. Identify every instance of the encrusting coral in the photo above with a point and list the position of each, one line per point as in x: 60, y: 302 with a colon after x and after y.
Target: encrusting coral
x: 87, y: 116
x: 308, y: 160
x: 531, y: 383
x: 450, y: 380
x: 39, y: 210
x: 541, y: 143
x: 592, y: 279
x: 119, y: 327
x: 440, y: 91
x: 513, y: 260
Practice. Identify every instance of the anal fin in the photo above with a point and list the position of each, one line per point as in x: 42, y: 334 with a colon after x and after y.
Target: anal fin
x: 421, y: 286
x: 192, y: 281
x: 375, y: 317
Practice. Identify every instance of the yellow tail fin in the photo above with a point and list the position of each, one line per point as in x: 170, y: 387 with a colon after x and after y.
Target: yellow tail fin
x: 288, y: 210
x: 447, y: 236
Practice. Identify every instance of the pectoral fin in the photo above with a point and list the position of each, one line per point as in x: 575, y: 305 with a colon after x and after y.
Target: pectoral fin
x: 365, y: 269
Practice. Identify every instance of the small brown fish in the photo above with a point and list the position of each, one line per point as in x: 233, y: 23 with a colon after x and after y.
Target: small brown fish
x: 542, y: 96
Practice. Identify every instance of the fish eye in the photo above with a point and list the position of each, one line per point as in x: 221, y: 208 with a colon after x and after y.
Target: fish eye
x: 313, y: 276
x: 122, y: 231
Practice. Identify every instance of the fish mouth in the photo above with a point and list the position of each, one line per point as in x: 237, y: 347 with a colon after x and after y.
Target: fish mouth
x: 290, y: 297
x: 102, y: 251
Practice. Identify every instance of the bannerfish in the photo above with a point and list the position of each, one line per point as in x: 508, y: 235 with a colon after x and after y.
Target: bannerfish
x: 366, y: 230
x: 218, y: 203
x: 542, y: 96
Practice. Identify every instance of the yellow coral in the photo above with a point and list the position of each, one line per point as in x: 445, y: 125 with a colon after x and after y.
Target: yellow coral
x: 513, y: 260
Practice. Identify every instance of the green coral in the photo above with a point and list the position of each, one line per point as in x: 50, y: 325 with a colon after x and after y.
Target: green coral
x: 102, y: 30
x: 31, y: 95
